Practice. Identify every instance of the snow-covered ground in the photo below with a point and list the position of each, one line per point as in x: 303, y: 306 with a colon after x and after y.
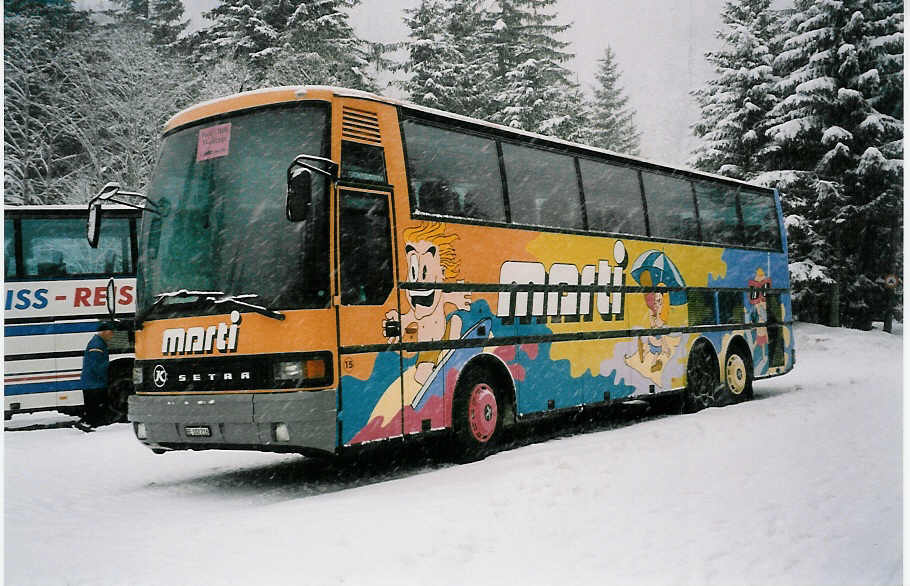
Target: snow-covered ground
x: 800, y: 486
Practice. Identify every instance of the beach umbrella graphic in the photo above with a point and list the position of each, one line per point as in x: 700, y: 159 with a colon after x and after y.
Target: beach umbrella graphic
x: 654, y: 268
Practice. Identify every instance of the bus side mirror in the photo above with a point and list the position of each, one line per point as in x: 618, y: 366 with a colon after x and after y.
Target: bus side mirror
x: 300, y: 194
x: 93, y: 227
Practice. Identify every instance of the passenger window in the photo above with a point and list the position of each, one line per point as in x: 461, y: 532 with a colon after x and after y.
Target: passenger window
x: 56, y: 248
x: 717, y: 213
x: 543, y: 187
x: 453, y: 173
x: 701, y: 307
x: 759, y: 220
x: 366, y: 249
x: 612, y: 198
x: 671, y: 209
x: 362, y: 162
x: 730, y: 307
x: 9, y: 248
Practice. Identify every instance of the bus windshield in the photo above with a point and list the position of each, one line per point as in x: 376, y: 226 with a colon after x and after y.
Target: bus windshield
x: 221, y: 188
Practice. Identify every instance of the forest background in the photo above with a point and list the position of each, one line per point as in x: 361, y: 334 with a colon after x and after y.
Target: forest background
x: 806, y: 97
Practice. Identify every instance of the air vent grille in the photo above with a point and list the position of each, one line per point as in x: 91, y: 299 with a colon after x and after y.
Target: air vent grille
x: 360, y: 125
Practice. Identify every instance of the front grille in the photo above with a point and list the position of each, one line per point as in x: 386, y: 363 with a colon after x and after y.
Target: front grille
x: 226, y: 373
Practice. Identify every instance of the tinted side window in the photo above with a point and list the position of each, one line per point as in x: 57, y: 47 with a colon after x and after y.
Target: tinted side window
x: 718, y: 215
x: 366, y: 249
x: 701, y: 307
x: 453, y: 173
x: 363, y: 162
x: 759, y: 220
x: 9, y: 247
x: 671, y: 211
x: 57, y: 248
x: 730, y: 307
x: 612, y: 198
x: 543, y: 187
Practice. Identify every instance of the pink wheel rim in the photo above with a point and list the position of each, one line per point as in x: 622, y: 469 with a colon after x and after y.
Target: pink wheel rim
x: 482, y: 412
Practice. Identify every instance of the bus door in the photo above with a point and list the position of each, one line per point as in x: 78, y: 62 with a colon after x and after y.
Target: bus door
x: 367, y: 309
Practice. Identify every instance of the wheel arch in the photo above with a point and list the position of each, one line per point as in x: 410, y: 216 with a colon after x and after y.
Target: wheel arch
x: 499, y: 374
x: 739, y: 344
x: 121, y: 366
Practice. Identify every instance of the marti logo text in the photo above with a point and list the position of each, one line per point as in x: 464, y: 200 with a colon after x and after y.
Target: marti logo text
x: 202, y: 340
x: 556, y: 303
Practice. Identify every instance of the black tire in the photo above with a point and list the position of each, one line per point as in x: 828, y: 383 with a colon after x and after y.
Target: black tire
x: 737, y: 376
x: 118, y: 394
x: 477, y: 418
x: 703, y: 387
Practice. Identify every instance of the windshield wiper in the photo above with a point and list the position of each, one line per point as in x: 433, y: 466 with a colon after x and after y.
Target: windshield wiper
x: 237, y: 300
x: 214, y: 297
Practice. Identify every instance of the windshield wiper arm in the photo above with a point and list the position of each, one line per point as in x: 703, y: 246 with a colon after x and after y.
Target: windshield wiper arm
x: 161, y: 297
x: 238, y: 300
x: 214, y: 297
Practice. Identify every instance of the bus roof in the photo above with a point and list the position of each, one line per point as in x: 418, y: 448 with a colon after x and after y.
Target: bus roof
x: 277, y: 95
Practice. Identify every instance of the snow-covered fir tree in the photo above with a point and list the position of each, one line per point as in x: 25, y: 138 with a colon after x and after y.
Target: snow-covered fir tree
x: 168, y: 22
x: 437, y: 61
x: 612, y: 121
x: 836, y: 141
x: 734, y: 103
x: 287, y: 42
x: 531, y: 89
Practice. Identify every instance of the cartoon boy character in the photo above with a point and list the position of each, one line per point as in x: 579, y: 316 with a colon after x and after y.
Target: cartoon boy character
x: 431, y: 259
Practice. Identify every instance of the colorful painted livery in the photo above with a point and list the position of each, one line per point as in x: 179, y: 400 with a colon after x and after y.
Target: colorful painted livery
x: 328, y: 268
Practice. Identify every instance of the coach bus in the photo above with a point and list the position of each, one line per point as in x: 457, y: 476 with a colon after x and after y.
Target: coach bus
x: 57, y: 290
x: 321, y: 268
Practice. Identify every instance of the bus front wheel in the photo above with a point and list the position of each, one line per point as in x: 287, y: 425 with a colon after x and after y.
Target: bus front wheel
x: 477, y: 418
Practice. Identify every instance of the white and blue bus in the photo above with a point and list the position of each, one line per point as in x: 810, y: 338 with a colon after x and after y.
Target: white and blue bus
x: 57, y: 291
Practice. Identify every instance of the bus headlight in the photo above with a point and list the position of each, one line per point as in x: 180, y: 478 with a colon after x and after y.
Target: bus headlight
x: 137, y: 375
x: 313, y: 369
x: 141, y: 432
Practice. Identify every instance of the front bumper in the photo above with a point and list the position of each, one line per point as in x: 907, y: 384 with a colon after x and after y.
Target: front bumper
x: 245, y: 421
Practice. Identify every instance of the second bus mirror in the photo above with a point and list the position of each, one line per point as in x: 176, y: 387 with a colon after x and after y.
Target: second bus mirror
x: 93, y: 227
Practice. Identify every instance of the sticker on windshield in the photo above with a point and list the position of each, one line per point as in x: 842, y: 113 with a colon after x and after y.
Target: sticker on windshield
x: 213, y: 142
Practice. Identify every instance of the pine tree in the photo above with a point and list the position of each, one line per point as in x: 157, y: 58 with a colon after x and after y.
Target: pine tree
x: 531, y: 88
x: 287, y: 42
x: 168, y: 23
x: 447, y: 65
x: 734, y: 104
x: 835, y: 130
x: 612, y: 122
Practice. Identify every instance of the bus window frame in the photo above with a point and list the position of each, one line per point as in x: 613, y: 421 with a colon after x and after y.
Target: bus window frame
x: 18, y: 215
x: 577, y: 152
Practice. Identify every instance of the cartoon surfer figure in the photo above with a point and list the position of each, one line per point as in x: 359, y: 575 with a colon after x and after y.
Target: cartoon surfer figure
x: 431, y: 259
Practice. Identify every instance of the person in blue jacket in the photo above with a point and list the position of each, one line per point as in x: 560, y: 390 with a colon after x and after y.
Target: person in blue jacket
x: 94, y: 378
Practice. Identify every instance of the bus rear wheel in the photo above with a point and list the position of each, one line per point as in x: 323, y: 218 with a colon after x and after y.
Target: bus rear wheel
x: 477, y: 418
x: 737, y: 376
x: 703, y: 387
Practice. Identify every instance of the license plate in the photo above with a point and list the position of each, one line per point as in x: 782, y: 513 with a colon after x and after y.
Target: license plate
x: 198, y: 431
